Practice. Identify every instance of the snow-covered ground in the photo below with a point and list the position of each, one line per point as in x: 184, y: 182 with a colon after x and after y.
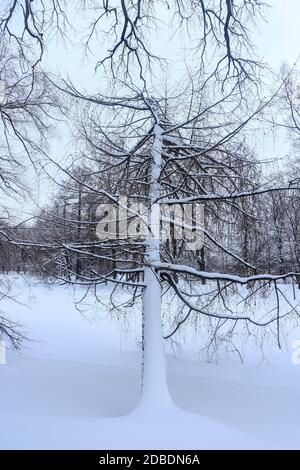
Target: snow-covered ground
x: 77, y: 384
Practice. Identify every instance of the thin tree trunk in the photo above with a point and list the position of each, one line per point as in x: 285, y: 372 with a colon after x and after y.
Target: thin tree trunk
x: 78, y: 261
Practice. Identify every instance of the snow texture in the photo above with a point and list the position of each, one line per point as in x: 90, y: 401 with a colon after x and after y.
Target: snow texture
x: 77, y: 386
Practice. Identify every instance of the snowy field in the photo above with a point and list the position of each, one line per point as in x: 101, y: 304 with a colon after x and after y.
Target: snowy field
x: 76, y: 384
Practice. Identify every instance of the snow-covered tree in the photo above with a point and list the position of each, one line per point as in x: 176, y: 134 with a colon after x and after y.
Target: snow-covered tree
x: 166, y: 153
x: 162, y: 157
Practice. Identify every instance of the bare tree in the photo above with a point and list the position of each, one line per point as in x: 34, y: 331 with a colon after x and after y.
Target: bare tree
x: 166, y: 160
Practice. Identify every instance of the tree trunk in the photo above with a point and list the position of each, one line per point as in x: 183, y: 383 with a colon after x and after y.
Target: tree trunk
x: 78, y: 261
x: 155, y: 388
x: 155, y: 391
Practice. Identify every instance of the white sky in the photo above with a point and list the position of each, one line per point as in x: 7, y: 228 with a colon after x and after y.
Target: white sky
x: 279, y: 38
x: 277, y: 41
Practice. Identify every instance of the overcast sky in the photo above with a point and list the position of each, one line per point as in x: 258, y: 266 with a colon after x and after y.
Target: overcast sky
x: 277, y: 40
x: 279, y: 37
